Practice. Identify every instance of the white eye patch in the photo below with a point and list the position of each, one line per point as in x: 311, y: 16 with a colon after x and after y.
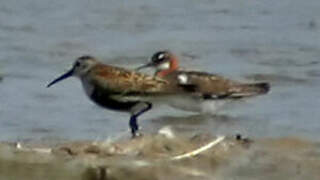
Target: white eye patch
x: 183, y: 78
x: 161, y: 56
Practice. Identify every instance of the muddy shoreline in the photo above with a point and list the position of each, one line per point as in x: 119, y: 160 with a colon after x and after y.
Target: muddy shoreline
x: 159, y: 156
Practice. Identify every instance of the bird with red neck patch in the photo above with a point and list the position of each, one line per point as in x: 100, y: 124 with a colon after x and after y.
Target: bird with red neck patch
x: 213, y: 90
x: 167, y: 63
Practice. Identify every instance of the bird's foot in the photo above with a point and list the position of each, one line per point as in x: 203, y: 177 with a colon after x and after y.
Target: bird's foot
x: 136, y: 135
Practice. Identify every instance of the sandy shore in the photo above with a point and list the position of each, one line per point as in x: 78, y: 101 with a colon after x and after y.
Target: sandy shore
x: 163, y: 156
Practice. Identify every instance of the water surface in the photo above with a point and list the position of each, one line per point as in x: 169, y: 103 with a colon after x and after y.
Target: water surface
x: 275, y: 41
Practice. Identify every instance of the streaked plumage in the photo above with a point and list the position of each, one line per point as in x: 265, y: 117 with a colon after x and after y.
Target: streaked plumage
x: 118, y: 89
x: 211, y: 88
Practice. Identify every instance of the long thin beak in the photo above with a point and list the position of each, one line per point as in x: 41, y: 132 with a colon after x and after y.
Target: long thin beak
x: 62, y: 77
x: 150, y: 64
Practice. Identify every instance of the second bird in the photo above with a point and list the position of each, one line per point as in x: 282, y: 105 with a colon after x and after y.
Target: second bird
x: 213, y: 90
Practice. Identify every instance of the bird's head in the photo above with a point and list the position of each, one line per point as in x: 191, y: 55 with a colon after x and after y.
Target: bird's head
x: 162, y: 61
x: 80, y: 67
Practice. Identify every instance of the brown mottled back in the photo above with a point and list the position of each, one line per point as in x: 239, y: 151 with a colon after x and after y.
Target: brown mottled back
x: 215, y: 85
x: 119, y: 80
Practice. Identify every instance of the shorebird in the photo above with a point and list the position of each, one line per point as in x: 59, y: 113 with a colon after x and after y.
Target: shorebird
x: 213, y: 90
x: 118, y: 89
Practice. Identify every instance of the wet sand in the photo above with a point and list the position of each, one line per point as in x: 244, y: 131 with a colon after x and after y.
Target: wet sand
x: 163, y: 156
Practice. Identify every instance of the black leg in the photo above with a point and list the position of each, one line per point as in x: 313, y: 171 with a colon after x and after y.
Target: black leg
x: 133, y: 125
x: 133, y: 119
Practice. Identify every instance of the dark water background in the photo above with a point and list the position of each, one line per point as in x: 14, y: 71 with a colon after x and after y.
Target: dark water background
x: 275, y: 41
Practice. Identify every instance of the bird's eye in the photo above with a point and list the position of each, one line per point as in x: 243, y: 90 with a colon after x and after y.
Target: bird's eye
x: 157, y: 58
x: 77, y: 64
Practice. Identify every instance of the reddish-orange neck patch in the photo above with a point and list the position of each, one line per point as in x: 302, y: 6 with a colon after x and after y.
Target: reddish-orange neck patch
x: 174, y: 65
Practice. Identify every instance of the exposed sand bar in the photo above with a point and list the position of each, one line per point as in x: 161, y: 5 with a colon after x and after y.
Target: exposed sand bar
x: 158, y: 156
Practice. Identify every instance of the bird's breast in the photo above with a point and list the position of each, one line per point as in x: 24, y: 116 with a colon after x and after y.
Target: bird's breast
x: 106, y: 98
x: 87, y: 86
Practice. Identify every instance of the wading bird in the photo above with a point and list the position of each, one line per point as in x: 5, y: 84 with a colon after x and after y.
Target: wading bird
x: 119, y: 89
x: 212, y: 90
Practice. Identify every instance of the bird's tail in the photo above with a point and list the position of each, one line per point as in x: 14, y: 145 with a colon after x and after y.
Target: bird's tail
x: 246, y: 90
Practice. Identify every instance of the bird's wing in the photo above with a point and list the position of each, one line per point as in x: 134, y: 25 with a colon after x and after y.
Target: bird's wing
x: 119, y: 80
x: 213, y: 86
x: 203, y: 82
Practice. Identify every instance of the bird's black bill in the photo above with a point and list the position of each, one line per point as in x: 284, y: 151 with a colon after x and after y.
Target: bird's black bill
x: 62, y: 77
x: 144, y: 66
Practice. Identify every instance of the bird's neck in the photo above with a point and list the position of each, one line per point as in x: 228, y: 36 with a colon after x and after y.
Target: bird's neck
x: 87, y: 86
x: 173, y: 66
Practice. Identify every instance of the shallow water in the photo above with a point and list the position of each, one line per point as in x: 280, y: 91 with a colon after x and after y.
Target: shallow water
x: 261, y: 40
